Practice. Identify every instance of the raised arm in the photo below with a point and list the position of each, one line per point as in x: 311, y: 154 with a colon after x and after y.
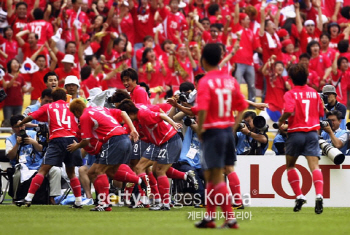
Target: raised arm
x: 19, y: 38
x: 10, y: 11
x: 298, y: 17
x: 262, y: 19
x: 319, y: 12
x: 33, y: 57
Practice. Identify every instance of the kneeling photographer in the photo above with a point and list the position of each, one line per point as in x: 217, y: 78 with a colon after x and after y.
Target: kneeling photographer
x: 331, y: 103
x: 251, y: 137
x: 332, y: 133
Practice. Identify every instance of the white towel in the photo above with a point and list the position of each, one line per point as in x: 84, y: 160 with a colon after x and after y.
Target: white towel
x: 272, y: 43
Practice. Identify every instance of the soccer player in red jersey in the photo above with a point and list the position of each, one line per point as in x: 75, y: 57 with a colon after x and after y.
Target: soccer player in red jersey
x: 138, y: 94
x: 166, y: 142
x: 116, y: 148
x: 218, y: 96
x: 63, y: 127
x: 303, y: 108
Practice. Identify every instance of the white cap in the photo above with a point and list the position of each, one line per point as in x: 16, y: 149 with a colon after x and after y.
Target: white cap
x: 71, y: 80
x: 68, y: 59
x: 309, y: 22
x: 324, y: 19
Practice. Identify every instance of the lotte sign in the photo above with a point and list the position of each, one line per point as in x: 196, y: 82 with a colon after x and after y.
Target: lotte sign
x: 265, y: 179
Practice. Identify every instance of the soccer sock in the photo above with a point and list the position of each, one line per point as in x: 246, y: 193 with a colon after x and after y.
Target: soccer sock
x: 164, y: 187
x: 154, y: 186
x: 225, y: 203
x: 128, y: 191
x: 293, y: 179
x: 175, y: 174
x: 34, y: 186
x: 318, y: 182
x: 126, y: 168
x: 101, y: 184
x: 76, y: 187
x: 144, y: 177
x: 235, y: 187
x: 124, y: 176
x: 209, y: 200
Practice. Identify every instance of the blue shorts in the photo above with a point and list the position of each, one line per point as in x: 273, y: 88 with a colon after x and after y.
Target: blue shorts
x: 116, y: 150
x: 218, y: 148
x: 302, y: 143
x: 151, y: 152
x: 138, y: 149
x: 57, y: 152
x: 169, y: 152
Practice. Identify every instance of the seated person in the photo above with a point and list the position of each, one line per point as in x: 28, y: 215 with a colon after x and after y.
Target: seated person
x: 28, y: 151
x: 250, y: 140
x: 333, y: 134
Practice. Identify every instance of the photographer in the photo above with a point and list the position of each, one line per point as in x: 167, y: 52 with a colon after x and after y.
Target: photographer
x: 333, y: 104
x: 279, y: 141
x: 21, y: 147
x: 250, y: 140
x: 333, y: 134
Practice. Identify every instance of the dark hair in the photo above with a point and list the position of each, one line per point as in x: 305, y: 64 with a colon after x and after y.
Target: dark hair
x: 325, y: 34
x: 336, y: 113
x: 279, y: 62
x: 198, y: 77
x: 47, y: 92
x: 85, y: 72
x: 343, y: 46
x: 119, y: 95
x: 143, y: 84
x: 15, y: 118
x: 147, y: 37
x: 9, y: 70
x: 59, y: 94
x: 35, y: 35
x: 89, y: 58
x: 5, y: 29
x: 128, y: 106
x: 212, y: 54
x: 126, y: 40
x: 70, y: 42
x: 38, y: 14
x: 40, y: 56
x: 298, y: 74
x: 21, y: 3
x: 213, y: 8
x: 165, y: 42
x: 117, y: 41
x: 204, y: 19
x: 216, y: 25
x: 74, y: 1
x: 144, y: 55
x: 251, y: 114
x: 47, y: 75
x: 340, y: 60
x: 131, y: 73
x: 266, y: 22
x: 186, y: 86
x: 305, y: 55
x: 312, y: 43
x: 345, y: 12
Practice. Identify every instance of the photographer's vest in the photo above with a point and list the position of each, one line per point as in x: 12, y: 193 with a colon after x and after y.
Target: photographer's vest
x: 32, y: 157
x: 327, y: 138
x: 244, y: 145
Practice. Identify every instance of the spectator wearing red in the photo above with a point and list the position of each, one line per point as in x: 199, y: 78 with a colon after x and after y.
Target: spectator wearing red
x: 269, y: 40
x: 40, y: 27
x: 326, y: 50
x: 14, y: 86
x: 69, y: 49
x: 310, y: 32
x: 8, y: 46
x: 148, y: 42
x: 336, y: 35
x: 288, y: 52
x: 319, y: 63
x: 313, y: 80
x: 126, y: 22
x: 17, y: 18
x: 214, y: 35
x: 66, y: 70
x: 214, y: 14
x: 343, y: 47
x: 130, y: 80
x: 341, y: 78
x: 199, y: 6
x: 89, y: 80
x: 31, y: 46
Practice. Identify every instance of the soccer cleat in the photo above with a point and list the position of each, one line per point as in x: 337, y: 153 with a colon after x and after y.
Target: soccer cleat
x: 205, y: 224
x: 199, y: 206
x: 191, y: 178
x: 145, y: 187
x: 74, y: 206
x: 106, y: 207
x: 23, y: 202
x: 238, y: 206
x: 139, y: 205
x: 155, y: 207
x: 319, y: 206
x: 230, y: 224
x: 165, y: 207
x: 298, y: 204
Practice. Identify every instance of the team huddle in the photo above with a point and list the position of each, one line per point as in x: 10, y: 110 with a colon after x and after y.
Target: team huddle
x: 114, y: 134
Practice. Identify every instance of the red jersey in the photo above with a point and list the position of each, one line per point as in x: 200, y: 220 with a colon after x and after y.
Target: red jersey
x: 38, y: 83
x: 62, y: 74
x: 341, y: 81
x: 62, y: 122
x: 271, y: 47
x: 219, y: 94
x: 153, y: 127
x: 14, y: 93
x: 42, y: 28
x: 89, y: 83
x: 60, y: 56
x: 306, y: 107
x: 10, y: 47
x: 157, y: 77
x: 320, y: 64
x: 139, y: 96
x: 100, y: 123
x: 28, y: 52
x: 275, y: 89
x: 330, y: 53
x: 17, y: 24
x: 143, y: 22
x: 246, y: 47
x: 68, y: 33
x: 334, y: 41
x: 313, y: 78
x: 127, y: 26
x: 305, y: 38
x: 173, y: 23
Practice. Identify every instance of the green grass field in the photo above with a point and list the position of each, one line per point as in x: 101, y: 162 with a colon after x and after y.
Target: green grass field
x: 62, y: 219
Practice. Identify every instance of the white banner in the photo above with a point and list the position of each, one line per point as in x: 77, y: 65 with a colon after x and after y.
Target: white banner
x: 264, y: 179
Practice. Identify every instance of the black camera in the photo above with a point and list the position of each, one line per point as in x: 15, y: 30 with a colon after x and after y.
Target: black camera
x: 23, y: 134
x: 42, y: 129
x: 189, y: 121
x: 260, y: 123
x: 3, y: 95
x: 242, y: 125
x: 183, y: 97
x: 325, y: 123
x: 324, y: 98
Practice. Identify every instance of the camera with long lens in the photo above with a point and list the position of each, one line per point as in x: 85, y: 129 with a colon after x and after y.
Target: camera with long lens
x: 260, y: 124
x: 242, y: 125
x: 326, y: 123
x: 23, y: 134
x: 336, y: 156
x: 189, y: 121
x: 324, y: 98
x: 183, y: 97
x: 42, y: 133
